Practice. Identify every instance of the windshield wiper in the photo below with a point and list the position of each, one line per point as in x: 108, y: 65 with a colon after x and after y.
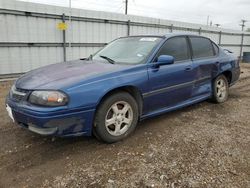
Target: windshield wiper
x: 108, y: 59
x: 87, y: 58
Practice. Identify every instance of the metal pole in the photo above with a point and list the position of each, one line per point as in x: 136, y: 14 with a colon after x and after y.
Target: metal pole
x: 200, y: 31
x: 64, y: 39
x: 243, y: 24
x: 207, y: 20
x: 241, y: 45
x: 70, y: 30
x: 128, y: 32
x: 220, y: 38
x: 171, y: 28
x: 126, y: 7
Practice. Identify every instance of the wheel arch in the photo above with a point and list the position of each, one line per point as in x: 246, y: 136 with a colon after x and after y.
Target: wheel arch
x: 228, y: 75
x: 132, y: 90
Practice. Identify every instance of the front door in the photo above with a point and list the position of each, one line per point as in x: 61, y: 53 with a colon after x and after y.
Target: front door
x: 172, y: 84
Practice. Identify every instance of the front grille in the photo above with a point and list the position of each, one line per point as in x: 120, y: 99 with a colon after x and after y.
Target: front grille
x: 18, y: 94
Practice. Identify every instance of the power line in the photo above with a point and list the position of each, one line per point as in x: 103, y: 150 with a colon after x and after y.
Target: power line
x: 120, y: 8
x: 163, y: 9
x: 82, y: 4
x: 161, y: 14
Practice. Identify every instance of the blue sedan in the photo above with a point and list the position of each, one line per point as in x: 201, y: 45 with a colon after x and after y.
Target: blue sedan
x: 130, y: 79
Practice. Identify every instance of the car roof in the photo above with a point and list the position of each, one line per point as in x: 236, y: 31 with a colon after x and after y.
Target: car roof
x: 168, y: 35
x: 180, y: 34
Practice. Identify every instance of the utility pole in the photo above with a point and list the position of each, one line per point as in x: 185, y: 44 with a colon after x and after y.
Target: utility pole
x: 70, y: 31
x: 243, y: 24
x: 207, y: 20
x: 126, y: 7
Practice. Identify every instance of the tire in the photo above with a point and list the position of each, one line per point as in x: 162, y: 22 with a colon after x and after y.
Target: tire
x: 220, y: 89
x: 116, y: 117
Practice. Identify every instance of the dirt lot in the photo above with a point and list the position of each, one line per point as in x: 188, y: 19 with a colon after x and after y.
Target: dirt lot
x: 204, y: 145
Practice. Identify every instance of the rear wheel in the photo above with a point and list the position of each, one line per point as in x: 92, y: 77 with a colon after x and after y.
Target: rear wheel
x: 220, y: 89
x: 116, y: 117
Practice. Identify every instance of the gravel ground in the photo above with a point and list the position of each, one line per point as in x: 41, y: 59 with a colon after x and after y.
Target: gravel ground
x: 204, y: 145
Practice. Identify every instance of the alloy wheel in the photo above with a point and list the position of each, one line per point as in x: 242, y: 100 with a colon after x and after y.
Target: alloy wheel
x: 119, y: 118
x: 221, y: 89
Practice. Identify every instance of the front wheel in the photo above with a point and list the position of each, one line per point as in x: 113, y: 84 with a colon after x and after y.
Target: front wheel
x: 220, y: 89
x: 116, y: 117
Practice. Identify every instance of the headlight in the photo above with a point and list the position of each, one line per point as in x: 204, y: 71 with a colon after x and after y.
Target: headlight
x: 48, y: 98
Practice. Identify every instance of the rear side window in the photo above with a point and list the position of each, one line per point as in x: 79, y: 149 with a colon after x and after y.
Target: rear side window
x: 176, y: 47
x: 202, y: 47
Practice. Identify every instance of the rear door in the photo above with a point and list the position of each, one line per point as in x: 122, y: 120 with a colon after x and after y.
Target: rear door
x: 171, y: 84
x: 205, y: 61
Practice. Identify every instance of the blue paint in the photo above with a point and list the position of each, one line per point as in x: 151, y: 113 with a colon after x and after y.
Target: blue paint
x: 164, y: 88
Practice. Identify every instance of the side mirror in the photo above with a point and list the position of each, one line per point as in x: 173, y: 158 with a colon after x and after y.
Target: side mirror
x: 165, y: 60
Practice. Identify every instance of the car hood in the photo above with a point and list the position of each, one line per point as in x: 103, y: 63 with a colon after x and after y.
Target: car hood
x: 60, y: 75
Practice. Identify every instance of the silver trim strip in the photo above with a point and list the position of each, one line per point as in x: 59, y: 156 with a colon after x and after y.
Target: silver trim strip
x: 162, y: 90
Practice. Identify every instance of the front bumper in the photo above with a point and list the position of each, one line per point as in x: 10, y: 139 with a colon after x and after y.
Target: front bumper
x: 68, y: 122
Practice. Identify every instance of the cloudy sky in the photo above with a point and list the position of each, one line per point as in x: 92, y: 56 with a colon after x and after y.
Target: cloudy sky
x: 227, y: 13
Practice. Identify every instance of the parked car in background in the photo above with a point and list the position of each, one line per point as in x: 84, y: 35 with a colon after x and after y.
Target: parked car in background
x: 130, y: 79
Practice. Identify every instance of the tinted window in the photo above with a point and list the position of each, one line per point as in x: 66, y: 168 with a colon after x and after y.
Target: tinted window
x: 202, y: 47
x: 176, y: 47
x: 216, y: 49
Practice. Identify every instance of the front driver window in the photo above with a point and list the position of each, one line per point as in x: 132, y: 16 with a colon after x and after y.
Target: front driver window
x: 176, y: 47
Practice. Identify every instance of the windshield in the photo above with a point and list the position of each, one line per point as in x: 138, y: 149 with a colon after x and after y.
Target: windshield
x: 131, y: 50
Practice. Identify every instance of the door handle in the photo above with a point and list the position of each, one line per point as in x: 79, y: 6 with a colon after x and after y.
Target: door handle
x: 188, y: 68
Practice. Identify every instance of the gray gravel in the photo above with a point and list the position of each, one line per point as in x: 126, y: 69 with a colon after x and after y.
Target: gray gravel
x: 204, y: 145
